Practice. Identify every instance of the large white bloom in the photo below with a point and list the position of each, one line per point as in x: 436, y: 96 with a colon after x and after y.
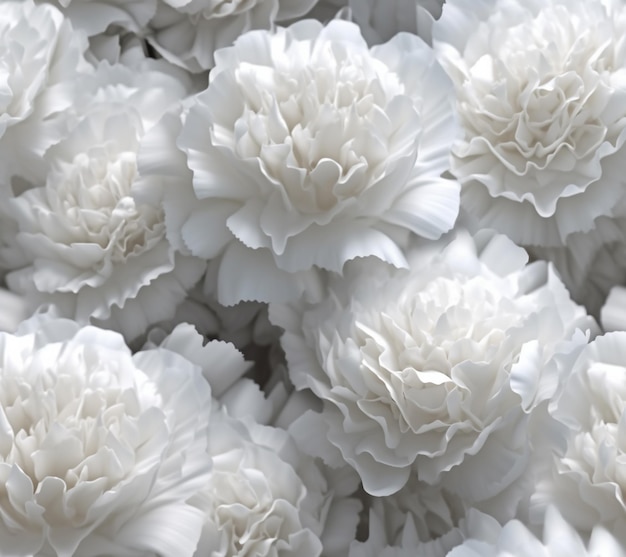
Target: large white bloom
x: 541, y: 94
x: 188, y: 32
x: 487, y: 538
x: 307, y: 150
x: 91, y: 249
x: 587, y: 483
x: 439, y: 369
x: 40, y: 54
x: 99, y: 449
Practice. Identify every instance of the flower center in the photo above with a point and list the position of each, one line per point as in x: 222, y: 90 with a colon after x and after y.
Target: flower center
x: 411, y: 348
x: 319, y: 129
x: 537, y: 90
x: 92, y: 193
x: 70, y: 425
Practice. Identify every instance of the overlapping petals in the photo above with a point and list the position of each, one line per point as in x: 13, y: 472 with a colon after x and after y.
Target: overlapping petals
x: 308, y: 150
x: 438, y: 370
x: 99, y: 449
x: 540, y: 93
x: 90, y: 248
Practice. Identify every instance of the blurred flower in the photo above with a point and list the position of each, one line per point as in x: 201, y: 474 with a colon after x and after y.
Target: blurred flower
x: 308, y: 150
x: 99, y: 449
x: 418, y: 520
x: 487, y: 538
x: 40, y: 55
x: 587, y: 482
x: 264, y: 496
x: 380, y: 20
x: 441, y: 369
x: 188, y: 32
x: 90, y: 248
x: 94, y: 17
x: 541, y: 94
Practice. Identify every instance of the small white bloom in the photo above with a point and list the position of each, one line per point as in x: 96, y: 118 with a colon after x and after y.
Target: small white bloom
x: 188, y: 32
x: 40, y: 55
x: 587, y: 482
x: 90, y: 247
x: 100, y: 450
x: 264, y: 497
x: 487, y: 538
x: 541, y: 94
x: 307, y: 150
x: 438, y: 369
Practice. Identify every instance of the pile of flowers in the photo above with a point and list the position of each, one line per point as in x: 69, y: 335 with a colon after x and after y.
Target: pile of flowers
x: 312, y: 278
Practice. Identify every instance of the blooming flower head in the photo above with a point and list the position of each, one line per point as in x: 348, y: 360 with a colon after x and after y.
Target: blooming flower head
x: 587, y: 482
x: 307, y: 150
x: 90, y: 248
x: 99, y: 449
x: 436, y: 370
x: 39, y: 57
x: 541, y: 95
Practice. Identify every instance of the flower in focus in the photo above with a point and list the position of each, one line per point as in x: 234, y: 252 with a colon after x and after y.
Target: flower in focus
x: 188, y: 32
x: 586, y: 482
x: 40, y: 55
x: 540, y: 93
x: 440, y: 370
x: 487, y: 538
x: 90, y: 248
x: 307, y: 150
x: 99, y: 449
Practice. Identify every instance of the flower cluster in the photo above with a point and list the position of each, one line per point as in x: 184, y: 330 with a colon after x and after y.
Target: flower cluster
x: 312, y: 278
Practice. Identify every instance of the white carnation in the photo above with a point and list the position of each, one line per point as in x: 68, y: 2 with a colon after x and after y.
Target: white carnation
x: 540, y: 93
x: 436, y: 370
x: 40, y: 55
x: 90, y: 248
x: 307, y: 150
x: 99, y: 449
x: 587, y: 482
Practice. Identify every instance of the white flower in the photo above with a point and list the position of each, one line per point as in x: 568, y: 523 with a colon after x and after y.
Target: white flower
x: 380, y: 20
x: 541, y: 95
x: 587, y: 482
x: 94, y: 16
x: 40, y: 55
x: 487, y: 538
x: 308, y: 150
x: 91, y: 249
x: 437, y: 370
x: 188, y: 32
x: 99, y: 449
x: 263, y: 496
